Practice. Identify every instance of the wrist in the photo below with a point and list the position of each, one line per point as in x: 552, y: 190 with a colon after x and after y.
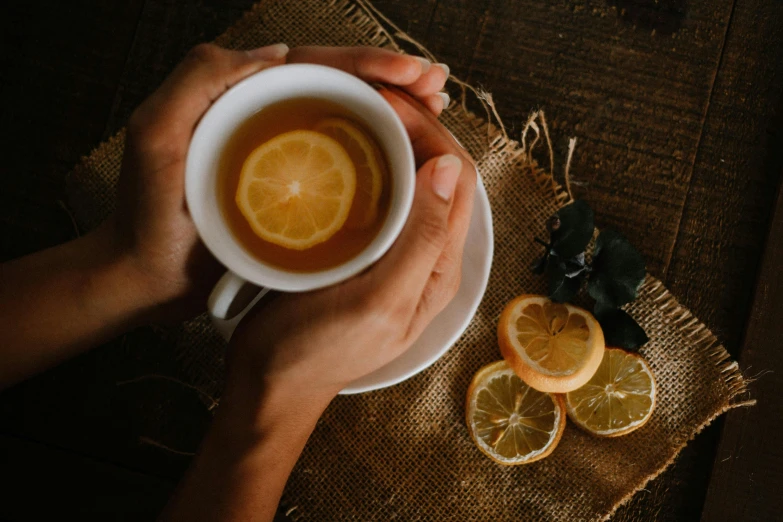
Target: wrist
x: 257, y: 400
x: 261, y: 362
x: 258, y: 433
x: 254, y: 417
x: 157, y: 296
x: 111, y: 273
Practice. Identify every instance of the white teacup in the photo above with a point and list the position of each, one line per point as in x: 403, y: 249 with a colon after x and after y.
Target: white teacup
x: 216, y: 127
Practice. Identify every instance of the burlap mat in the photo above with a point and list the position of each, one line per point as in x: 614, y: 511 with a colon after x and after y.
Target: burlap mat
x: 404, y: 452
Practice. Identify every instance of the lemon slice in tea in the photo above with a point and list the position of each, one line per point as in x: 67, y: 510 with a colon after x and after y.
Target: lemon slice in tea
x: 296, y: 189
x: 368, y: 162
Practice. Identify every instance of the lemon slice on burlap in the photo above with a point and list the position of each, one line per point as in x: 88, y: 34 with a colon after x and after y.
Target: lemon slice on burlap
x: 367, y: 160
x: 508, y: 420
x: 618, y: 399
x: 553, y: 347
x: 296, y: 189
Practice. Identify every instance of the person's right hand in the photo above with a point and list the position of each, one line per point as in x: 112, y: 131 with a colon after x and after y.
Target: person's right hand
x: 309, y: 346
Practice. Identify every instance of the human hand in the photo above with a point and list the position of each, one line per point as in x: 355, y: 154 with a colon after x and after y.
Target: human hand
x: 311, y: 345
x: 151, y: 228
x: 289, y: 357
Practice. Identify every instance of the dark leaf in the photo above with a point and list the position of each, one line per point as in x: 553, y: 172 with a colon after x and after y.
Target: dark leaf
x: 617, y: 271
x: 600, y: 309
x: 574, y: 231
x: 539, y: 265
x: 620, y: 329
x: 576, y: 265
x: 574, y: 262
x: 561, y: 287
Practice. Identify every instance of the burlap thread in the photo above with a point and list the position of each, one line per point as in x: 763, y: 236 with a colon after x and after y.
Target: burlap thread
x: 404, y: 452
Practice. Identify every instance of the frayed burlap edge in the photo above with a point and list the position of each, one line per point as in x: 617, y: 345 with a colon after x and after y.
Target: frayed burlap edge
x: 690, y: 326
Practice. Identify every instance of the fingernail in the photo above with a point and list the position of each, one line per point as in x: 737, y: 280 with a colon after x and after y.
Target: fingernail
x: 444, y: 67
x: 425, y: 64
x: 446, y: 98
x: 445, y: 176
x: 270, y: 52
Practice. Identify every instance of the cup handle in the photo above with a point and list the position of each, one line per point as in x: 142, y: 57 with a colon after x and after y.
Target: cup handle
x: 226, y: 297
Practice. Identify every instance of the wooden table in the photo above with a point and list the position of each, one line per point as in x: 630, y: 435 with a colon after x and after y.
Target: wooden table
x: 677, y: 106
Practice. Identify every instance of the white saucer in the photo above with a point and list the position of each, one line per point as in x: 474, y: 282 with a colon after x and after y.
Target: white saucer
x: 449, y: 325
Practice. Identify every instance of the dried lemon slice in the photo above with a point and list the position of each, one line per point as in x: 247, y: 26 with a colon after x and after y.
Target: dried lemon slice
x: 553, y: 347
x: 508, y: 420
x: 618, y: 399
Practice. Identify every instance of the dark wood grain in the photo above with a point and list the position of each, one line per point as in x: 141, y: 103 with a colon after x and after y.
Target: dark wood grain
x: 45, y: 483
x: 635, y: 100
x: 735, y: 175
x: 61, y: 64
x: 749, y: 465
x: 724, y: 218
x: 657, y: 93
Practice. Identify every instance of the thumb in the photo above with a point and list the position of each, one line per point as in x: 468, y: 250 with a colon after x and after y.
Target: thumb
x: 407, y: 267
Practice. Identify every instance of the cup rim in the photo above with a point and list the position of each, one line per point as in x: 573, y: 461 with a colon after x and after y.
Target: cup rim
x: 251, y: 89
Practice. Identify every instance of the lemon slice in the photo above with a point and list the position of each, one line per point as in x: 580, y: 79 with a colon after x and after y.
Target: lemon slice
x: 553, y: 347
x: 508, y: 420
x: 618, y: 399
x: 367, y: 160
x: 296, y: 189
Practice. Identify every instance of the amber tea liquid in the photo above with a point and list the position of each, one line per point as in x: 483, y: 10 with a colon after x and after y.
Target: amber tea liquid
x: 285, y: 116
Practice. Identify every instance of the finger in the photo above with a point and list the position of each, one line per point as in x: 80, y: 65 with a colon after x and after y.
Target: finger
x: 428, y: 136
x: 414, y: 73
x: 371, y: 64
x: 206, y: 73
x: 446, y: 277
x: 459, y: 223
x: 431, y: 82
x: 405, y: 270
x: 436, y: 103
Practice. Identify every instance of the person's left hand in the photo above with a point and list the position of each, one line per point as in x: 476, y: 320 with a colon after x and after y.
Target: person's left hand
x: 151, y: 227
x: 307, y: 346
